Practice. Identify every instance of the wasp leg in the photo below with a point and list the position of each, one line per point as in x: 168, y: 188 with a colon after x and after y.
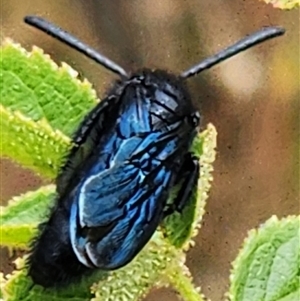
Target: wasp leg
x: 189, y: 172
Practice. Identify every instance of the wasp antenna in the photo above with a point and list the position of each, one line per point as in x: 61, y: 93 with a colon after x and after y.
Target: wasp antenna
x: 245, y: 43
x: 70, y: 40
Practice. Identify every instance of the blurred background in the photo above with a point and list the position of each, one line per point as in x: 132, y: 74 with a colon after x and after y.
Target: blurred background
x: 252, y: 99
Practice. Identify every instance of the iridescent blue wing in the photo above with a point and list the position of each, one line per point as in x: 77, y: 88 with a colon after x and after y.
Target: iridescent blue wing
x: 118, y: 210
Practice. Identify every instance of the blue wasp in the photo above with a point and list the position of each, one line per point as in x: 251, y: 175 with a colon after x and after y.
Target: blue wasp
x: 129, y: 152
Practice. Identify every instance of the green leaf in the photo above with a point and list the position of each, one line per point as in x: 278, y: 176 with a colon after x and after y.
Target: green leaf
x: 180, y: 278
x: 180, y: 228
x: 294, y: 296
x: 17, y: 236
x: 32, y: 144
x: 19, y: 219
x: 30, y: 82
x: 135, y: 280
x: 40, y: 104
x: 268, y: 266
